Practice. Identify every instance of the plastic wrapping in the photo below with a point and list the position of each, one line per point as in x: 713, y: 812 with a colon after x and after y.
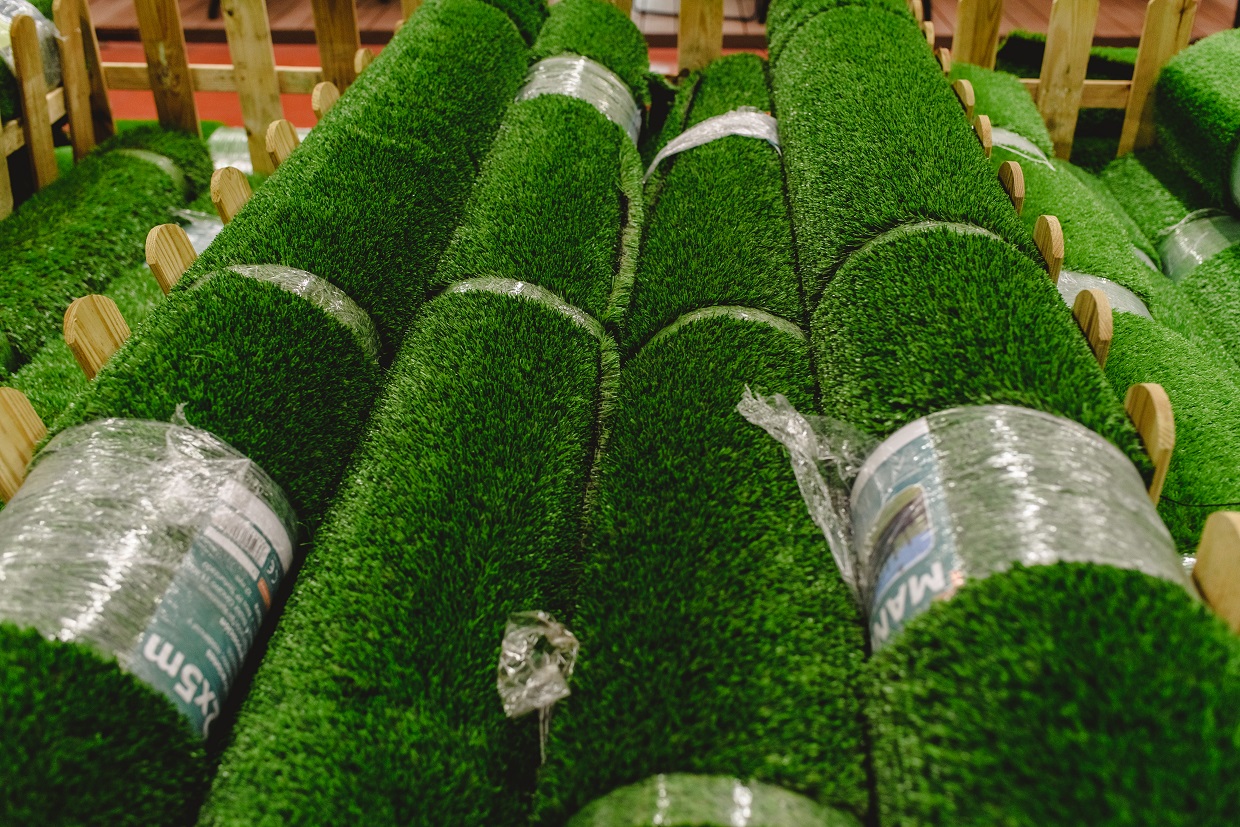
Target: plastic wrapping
x: 745, y: 121
x: 230, y: 147
x: 1121, y: 298
x: 683, y: 800
x: 534, y: 293
x: 48, y: 37
x: 322, y: 294
x: 153, y: 542
x: 1195, y: 238
x: 165, y: 163
x: 587, y: 80
x: 1018, y: 144
x: 536, y: 660
x: 963, y: 494
x: 200, y: 228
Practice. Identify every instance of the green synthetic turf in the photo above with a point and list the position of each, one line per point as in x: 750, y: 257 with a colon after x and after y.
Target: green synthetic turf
x: 1197, y: 112
x: 1058, y: 696
x: 700, y: 548
x: 370, y: 198
x: 1001, y: 97
x: 595, y: 30
x: 77, y: 235
x: 873, y: 138
x: 785, y: 19
x: 10, y: 97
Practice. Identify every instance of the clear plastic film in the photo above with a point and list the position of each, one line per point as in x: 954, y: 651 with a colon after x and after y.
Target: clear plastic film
x: 745, y: 121
x: 1121, y: 298
x: 684, y: 800
x: 230, y: 147
x: 1018, y: 144
x: 201, y: 228
x: 587, y: 80
x: 1195, y: 238
x: 536, y: 659
x: 10, y: 10
x: 322, y: 294
x: 154, y: 542
x: 965, y: 493
x: 165, y: 163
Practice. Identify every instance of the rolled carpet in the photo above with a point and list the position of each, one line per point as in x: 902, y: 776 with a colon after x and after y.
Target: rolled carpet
x: 699, y: 549
x: 1197, y: 112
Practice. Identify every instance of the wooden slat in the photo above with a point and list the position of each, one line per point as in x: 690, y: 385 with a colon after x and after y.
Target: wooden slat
x: 1150, y: 410
x: 335, y: 30
x: 407, y: 8
x: 625, y: 6
x: 1092, y: 311
x: 12, y: 136
x: 6, y: 189
x: 169, y: 254
x: 76, y: 82
x: 163, y: 41
x: 36, y: 121
x: 1217, y: 570
x: 1048, y: 235
x: 230, y: 190
x: 281, y: 140
x: 254, y: 73
x: 323, y: 98
x: 700, y: 36
x: 976, y: 38
x: 94, y: 330
x: 20, y: 431
x: 964, y: 92
x: 213, y: 77
x: 1168, y: 25
x: 362, y: 58
x: 100, y: 106
x: 1095, y: 94
x: 1012, y: 178
x: 982, y: 129
x: 1069, y: 35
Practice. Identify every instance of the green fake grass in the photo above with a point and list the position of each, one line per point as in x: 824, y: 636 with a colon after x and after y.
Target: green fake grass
x: 1197, y: 111
x: 1058, y: 695
x: 88, y: 228
x: 1001, y: 97
x: 370, y: 198
x: 873, y: 138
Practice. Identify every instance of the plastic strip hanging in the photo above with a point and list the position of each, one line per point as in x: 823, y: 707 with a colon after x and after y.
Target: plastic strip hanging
x: 153, y: 542
x: 200, y: 227
x: 1196, y: 237
x: 10, y: 10
x: 745, y: 121
x: 579, y: 77
x: 1018, y: 144
x: 1121, y: 298
x: 963, y: 494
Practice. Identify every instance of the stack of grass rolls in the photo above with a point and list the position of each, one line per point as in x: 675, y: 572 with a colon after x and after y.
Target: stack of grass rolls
x: 281, y: 364
x: 1058, y: 694
x: 87, y: 229
x: 376, y: 702
x: 699, y: 551
x: 1160, y: 335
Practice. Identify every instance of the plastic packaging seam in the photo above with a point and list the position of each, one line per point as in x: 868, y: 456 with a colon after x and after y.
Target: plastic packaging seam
x: 165, y: 164
x: 534, y: 293
x: 1193, y: 239
x: 728, y: 311
x: 1019, y: 145
x: 579, y: 77
x: 915, y: 228
x: 1121, y: 298
x: 744, y: 121
x: 49, y: 36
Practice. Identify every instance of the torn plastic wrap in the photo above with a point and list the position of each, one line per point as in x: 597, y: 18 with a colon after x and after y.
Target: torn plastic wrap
x: 745, y: 121
x: 684, y: 800
x: 10, y: 10
x: 1195, y: 238
x: 153, y: 542
x: 1018, y: 144
x: 1121, y: 298
x: 200, y: 227
x: 579, y: 77
x: 963, y: 494
x: 536, y: 659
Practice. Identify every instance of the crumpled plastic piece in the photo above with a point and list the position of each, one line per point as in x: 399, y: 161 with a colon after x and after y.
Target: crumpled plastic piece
x: 745, y: 121
x: 201, y: 228
x: 588, y: 80
x: 1018, y: 144
x: 48, y: 37
x: 536, y: 659
x: 1121, y: 298
x: 1196, y: 237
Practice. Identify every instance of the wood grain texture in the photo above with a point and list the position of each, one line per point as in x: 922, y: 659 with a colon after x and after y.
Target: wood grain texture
x: 169, y: 254
x: 407, y: 8
x: 976, y: 36
x: 1069, y: 36
x: 163, y: 42
x: 1166, y: 30
x: 1217, y: 570
x: 100, y: 106
x: 927, y: 28
x: 335, y: 30
x: 1095, y: 94
x: 281, y: 141
x: 1150, y: 411
x: 6, y: 191
x: 1048, y: 235
x: 362, y: 58
x: 208, y: 77
x: 230, y: 190
x: 1092, y: 311
x: 944, y: 56
x: 964, y: 93
x: 254, y: 72
x: 984, y: 133
x: 76, y: 81
x: 1012, y: 178
x: 20, y: 431
x: 94, y: 330
x: 700, y: 37
x: 32, y: 88
x: 323, y: 98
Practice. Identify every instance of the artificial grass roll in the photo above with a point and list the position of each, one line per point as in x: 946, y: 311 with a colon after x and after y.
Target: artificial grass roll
x: 376, y: 703
x: 700, y: 553
x: 1197, y: 112
x: 596, y: 31
x: 89, y: 227
x: 1004, y: 99
x: 718, y: 231
x: 370, y: 199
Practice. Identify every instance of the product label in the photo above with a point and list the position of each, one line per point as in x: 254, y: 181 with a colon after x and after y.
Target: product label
x: 194, y: 645
x: 904, y: 532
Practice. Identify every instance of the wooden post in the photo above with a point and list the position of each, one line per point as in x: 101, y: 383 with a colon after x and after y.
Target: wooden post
x: 1217, y: 570
x: 407, y: 8
x: 20, y: 430
x: 163, y: 41
x: 944, y: 57
x: 94, y: 330
x: 625, y: 6
x: 700, y: 36
x: 927, y: 28
x: 230, y: 190
x: 1092, y: 311
x: 335, y: 29
x: 1048, y: 235
x: 1069, y: 36
x: 254, y: 71
x: 36, y: 123
x: 968, y: 99
x: 1168, y: 25
x: 1150, y: 410
x: 976, y: 39
x: 6, y: 189
x: 281, y: 141
x: 75, y: 80
x: 1012, y: 178
x: 362, y: 58
x: 983, y: 131
x: 100, y: 106
x: 169, y: 254
x: 323, y: 98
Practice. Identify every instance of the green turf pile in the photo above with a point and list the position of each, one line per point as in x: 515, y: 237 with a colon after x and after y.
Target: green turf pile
x: 87, y: 229
x: 1197, y: 110
x: 370, y: 198
x: 376, y: 703
x: 700, y: 552
x: 1176, y: 349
